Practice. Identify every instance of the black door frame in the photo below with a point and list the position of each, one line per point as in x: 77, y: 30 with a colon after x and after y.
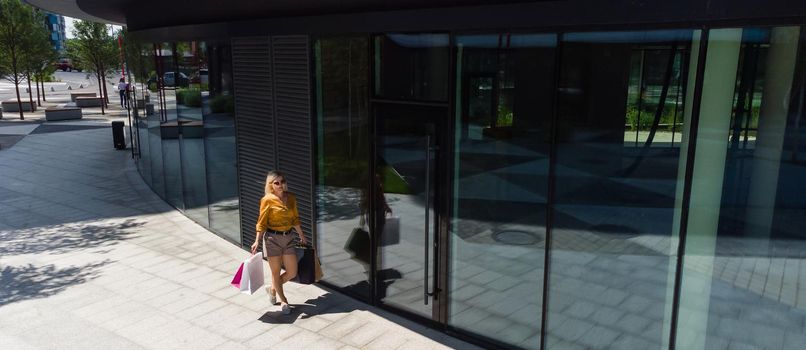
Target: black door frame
x: 442, y: 189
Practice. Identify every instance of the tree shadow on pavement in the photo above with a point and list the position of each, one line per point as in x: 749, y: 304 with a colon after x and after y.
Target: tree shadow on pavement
x: 68, y: 237
x: 18, y: 283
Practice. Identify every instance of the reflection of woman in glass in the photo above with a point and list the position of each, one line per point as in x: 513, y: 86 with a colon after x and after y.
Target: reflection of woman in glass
x: 276, y: 224
x: 382, y: 207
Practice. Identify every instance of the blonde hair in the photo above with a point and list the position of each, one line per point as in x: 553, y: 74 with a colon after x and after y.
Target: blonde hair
x: 270, y: 177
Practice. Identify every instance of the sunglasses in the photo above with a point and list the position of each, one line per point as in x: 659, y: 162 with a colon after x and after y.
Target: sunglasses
x: 278, y: 183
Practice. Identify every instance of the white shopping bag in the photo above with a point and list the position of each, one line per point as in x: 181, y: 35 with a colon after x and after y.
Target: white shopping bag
x: 252, y: 274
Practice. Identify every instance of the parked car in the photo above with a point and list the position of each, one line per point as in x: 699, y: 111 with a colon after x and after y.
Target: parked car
x: 66, y: 65
x: 171, y: 79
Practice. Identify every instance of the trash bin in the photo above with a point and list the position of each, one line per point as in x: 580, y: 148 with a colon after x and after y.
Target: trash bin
x: 117, y: 135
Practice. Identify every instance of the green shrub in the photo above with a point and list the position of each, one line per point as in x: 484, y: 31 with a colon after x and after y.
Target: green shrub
x: 189, y: 97
x: 222, y: 104
x: 180, y: 96
x: 192, y: 99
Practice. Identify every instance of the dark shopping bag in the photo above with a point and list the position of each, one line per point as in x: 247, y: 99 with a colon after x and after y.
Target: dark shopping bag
x: 306, y: 265
x: 358, y: 245
x: 391, y: 231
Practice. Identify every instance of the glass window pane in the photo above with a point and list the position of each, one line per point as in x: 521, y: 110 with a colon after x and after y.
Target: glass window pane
x: 191, y: 127
x: 154, y: 131
x: 167, y: 67
x: 613, y: 257
x: 215, y: 81
x: 139, y: 62
x: 742, y: 284
x: 342, y: 125
x: 504, y: 108
x: 412, y: 66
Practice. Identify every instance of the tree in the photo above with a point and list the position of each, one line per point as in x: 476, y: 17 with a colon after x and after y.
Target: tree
x: 17, y: 28
x: 96, y: 49
x: 139, y: 59
x: 38, y: 54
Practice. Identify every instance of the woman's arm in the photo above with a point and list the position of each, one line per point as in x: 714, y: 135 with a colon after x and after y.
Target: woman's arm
x: 258, y: 236
x: 302, y: 238
x: 262, y: 224
x: 296, y: 223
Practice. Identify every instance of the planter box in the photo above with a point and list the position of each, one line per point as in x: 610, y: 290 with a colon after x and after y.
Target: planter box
x: 12, y: 106
x: 89, y: 101
x: 74, y: 95
x: 52, y: 114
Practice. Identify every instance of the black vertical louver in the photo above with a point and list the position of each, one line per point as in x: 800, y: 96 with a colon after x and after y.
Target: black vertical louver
x: 254, y: 109
x: 292, y: 99
x: 273, y: 109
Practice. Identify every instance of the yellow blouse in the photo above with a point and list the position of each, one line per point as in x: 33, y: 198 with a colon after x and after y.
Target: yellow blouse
x: 277, y: 216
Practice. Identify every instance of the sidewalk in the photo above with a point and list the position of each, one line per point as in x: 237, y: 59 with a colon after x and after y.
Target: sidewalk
x: 91, y: 258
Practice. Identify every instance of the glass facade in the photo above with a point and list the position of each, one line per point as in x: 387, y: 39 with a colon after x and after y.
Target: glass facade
x: 185, y: 128
x: 573, y: 184
x: 504, y: 110
x: 742, y: 280
x: 615, y: 189
x: 342, y: 186
x: 612, y: 263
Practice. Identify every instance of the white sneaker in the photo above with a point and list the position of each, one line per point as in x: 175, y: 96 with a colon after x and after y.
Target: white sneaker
x: 286, y: 309
x: 272, y: 297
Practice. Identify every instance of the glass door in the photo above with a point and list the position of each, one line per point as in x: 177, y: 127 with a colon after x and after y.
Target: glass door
x: 407, y: 167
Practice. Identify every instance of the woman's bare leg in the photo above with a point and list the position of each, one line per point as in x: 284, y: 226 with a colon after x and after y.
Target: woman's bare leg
x: 276, y: 281
x: 290, y: 263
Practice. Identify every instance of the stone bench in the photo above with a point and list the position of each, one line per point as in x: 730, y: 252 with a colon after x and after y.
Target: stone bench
x: 12, y: 106
x: 52, y: 114
x: 89, y: 101
x: 74, y: 95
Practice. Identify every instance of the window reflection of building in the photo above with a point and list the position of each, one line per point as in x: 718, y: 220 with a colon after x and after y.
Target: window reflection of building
x: 574, y: 144
x: 185, y: 129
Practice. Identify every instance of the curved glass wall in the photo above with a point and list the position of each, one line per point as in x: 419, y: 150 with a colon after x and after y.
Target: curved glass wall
x: 580, y: 169
x: 743, y: 281
x: 185, y: 119
x: 342, y: 191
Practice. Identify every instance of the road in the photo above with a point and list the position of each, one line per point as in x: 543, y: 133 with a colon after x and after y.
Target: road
x: 74, y: 80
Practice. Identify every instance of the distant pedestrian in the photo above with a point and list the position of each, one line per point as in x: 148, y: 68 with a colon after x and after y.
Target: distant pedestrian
x: 276, y: 225
x: 122, y: 87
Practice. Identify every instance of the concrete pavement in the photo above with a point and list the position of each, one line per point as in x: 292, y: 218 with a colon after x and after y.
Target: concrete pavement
x: 91, y: 258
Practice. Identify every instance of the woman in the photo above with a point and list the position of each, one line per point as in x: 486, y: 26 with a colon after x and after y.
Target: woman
x: 276, y: 224
x: 122, y: 89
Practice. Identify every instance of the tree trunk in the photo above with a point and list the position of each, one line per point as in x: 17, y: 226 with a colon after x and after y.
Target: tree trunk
x: 14, y: 70
x: 101, y: 91
x: 38, y: 101
x: 43, y: 89
x: 30, y: 93
x: 106, y: 95
x: 19, y: 100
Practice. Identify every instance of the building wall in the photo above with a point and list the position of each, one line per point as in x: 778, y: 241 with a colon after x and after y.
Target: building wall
x: 56, y: 27
x: 628, y: 188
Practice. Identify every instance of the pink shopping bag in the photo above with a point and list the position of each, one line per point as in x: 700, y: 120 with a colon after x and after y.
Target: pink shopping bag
x: 236, y: 280
x: 249, y: 277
